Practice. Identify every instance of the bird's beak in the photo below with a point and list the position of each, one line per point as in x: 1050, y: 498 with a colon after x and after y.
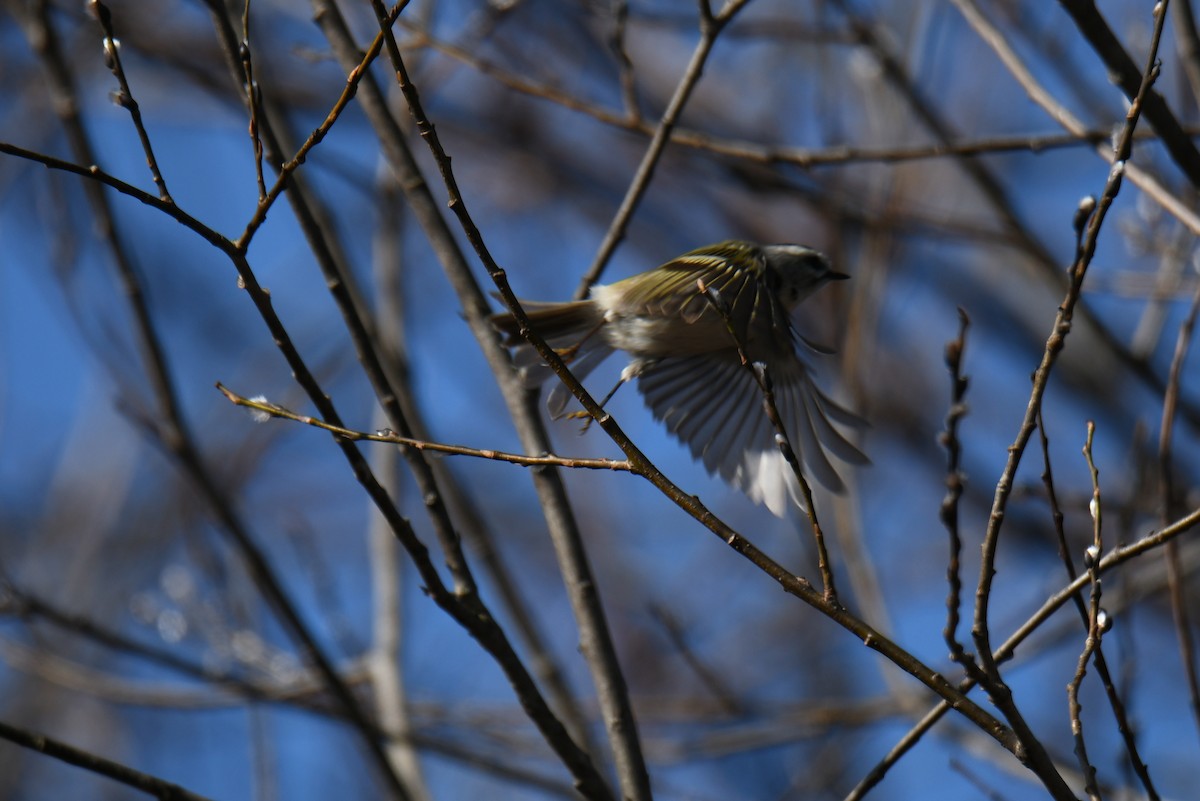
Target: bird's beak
x: 833, y: 275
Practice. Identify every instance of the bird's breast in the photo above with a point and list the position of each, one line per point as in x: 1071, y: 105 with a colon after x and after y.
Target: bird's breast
x: 658, y: 337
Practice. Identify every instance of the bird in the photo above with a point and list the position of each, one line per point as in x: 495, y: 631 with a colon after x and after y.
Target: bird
x: 686, y: 326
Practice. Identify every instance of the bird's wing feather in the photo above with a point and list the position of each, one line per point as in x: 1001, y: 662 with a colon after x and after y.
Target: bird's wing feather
x: 712, y: 404
x: 734, y: 269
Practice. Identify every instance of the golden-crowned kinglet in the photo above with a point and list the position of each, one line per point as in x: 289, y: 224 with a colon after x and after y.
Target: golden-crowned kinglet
x: 687, y: 362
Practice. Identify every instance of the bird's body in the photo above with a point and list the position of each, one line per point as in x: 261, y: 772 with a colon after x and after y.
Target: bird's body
x: 687, y: 362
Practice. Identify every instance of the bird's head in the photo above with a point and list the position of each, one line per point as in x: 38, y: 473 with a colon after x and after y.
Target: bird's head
x: 799, y: 270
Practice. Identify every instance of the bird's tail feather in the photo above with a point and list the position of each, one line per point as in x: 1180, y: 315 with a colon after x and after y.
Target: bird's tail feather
x: 572, y: 329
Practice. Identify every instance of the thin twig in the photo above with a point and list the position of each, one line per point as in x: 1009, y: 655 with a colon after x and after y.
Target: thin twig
x: 1124, y: 727
x: 824, y: 565
x: 151, y: 785
x: 253, y: 95
x: 762, y: 377
x: 273, y: 410
x: 87, y: 169
x: 1094, y: 630
x: 629, y: 98
x: 288, y: 168
x: 955, y: 485
x: 710, y: 28
x: 123, y: 97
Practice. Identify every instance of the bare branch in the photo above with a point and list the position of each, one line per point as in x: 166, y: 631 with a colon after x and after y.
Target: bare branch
x: 273, y: 410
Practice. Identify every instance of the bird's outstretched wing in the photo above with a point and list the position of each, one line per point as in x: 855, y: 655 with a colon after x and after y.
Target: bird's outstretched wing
x: 712, y: 403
